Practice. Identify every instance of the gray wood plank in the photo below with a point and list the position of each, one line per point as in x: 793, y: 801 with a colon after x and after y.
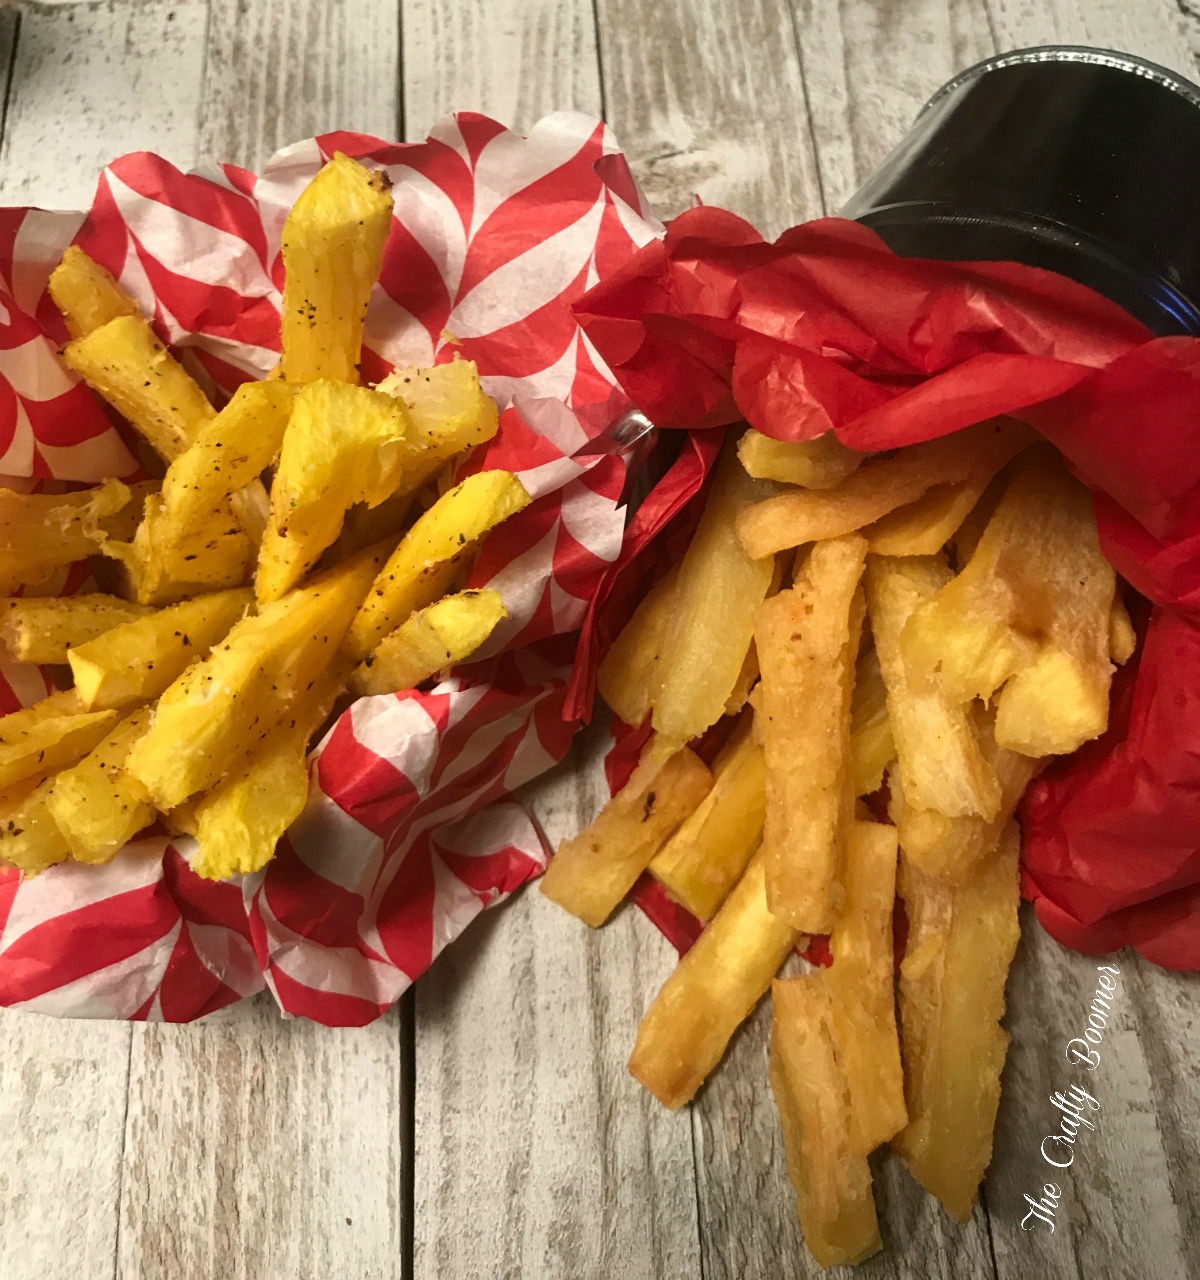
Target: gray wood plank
x: 259, y: 1149
x: 276, y: 73
x: 708, y: 100
x: 62, y: 1120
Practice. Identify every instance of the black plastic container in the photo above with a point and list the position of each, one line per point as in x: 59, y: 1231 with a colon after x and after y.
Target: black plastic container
x: 1084, y: 161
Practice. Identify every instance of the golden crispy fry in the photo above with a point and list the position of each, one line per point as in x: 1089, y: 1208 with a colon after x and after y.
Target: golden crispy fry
x: 862, y: 989
x: 29, y: 838
x: 47, y: 736
x: 710, y: 624
x: 1122, y: 639
x: 705, y: 858
x: 332, y: 251
x: 871, y: 746
x: 879, y: 486
x: 711, y: 993
x: 813, y: 464
x: 343, y: 445
x: 125, y: 363
x: 240, y: 822
x: 43, y: 629
x: 940, y: 759
x: 961, y: 941
x: 623, y: 679
x: 423, y: 566
x: 591, y: 873
x: 97, y: 806
x: 40, y: 532
x: 221, y: 707
x: 745, y: 684
x: 807, y: 641
x: 441, y: 635
x: 924, y: 527
x: 137, y: 660
x: 832, y: 1181
x: 86, y: 294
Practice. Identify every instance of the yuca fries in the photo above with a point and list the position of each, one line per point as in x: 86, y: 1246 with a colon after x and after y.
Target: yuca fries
x: 201, y: 712
x: 892, y: 717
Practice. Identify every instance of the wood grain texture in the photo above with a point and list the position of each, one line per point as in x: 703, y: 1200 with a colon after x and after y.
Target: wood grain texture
x: 276, y: 73
x: 536, y: 1153
x: 708, y: 100
x: 62, y: 1120
x: 515, y: 60
x: 93, y: 81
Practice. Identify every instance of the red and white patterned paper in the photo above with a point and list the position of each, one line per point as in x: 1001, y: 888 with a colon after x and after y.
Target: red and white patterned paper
x: 410, y: 830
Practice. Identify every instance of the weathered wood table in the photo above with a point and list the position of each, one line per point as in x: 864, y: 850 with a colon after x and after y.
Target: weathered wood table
x: 488, y: 1127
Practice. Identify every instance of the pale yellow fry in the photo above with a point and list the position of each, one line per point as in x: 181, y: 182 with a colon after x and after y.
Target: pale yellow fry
x: 813, y: 464
x: 924, y: 527
x: 41, y: 531
x: 872, y: 748
x: 1122, y: 639
x: 832, y: 1182
x: 47, y: 736
x: 42, y: 629
x: 86, y: 293
x: 29, y: 838
x: 591, y: 873
x: 624, y: 677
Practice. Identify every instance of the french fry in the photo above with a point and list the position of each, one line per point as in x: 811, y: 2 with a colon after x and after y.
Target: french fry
x: 961, y: 942
x: 951, y: 849
x: 832, y: 1181
x: 43, y: 629
x: 862, y: 989
x: 125, y: 363
x: 240, y: 822
x: 441, y: 635
x: 1122, y: 639
x: 591, y: 873
x: 807, y: 640
x: 86, y: 293
x: 624, y: 676
x: 876, y: 488
x: 47, y: 736
x: 423, y: 566
x: 40, y: 532
x: 924, y: 527
x: 705, y: 858
x: 29, y: 838
x: 940, y: 759
x: 872, y: 748
x: 136, y: 661
x: 712, y: 992
x: 332, y: 252
x: 710, y: 623
x: 813, y: 464
x: 220, y: 707
x: 95, y: 804
x: 745, y: 684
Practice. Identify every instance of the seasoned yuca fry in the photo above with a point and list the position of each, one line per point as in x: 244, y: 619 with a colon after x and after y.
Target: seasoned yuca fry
x: 924, y: 527
x: 332, y: 251
x: 862, y: 989
x: 879, y: 486
x: 125, y: 363
x: 961, y: 941
x: 228, y: 454
x: 807, y: 639
x: 434, y: 638
x: 49, y: 735
x: 159, y: 571
x: 221, y: 707
x: 624, y: 676
x: 1122, y: 639
x: 1036, y: 590
x: 832, y: 1181
x: 37, y: 629
x: 591, y: 873
x: 240, y: 822
x: 813, y: 464
x: 29, y: 838
x: 871, y: 746
x: 705, y: 858
x: 343, y: 445
x: 711, y: 620
x: 951, y: 849
x: 43, y: 531
x: 940, y: 759
x: 137, y: 660
x: 745, y: 684
x: 423, y: 566
x: 86, y: 293
x: 711, y: 993
x: 96, y: 805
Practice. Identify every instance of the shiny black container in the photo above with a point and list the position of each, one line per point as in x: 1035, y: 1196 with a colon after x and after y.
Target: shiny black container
x: 1084, y: 161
